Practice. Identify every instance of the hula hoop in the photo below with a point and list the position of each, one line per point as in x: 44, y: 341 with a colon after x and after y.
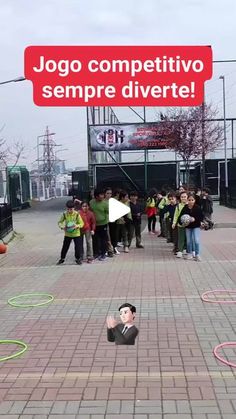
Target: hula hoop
x: 12, y: 302
x: 220, y: 358
x: 15, y: 342
x: 208, y: 300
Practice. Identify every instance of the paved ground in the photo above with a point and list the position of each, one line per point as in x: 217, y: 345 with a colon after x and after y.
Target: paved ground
x: 224, y: 217
x: 70, y: 370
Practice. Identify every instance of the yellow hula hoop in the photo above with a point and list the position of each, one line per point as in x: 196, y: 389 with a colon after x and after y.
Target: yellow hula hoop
x: 15, y: 342
x: 13, y: 303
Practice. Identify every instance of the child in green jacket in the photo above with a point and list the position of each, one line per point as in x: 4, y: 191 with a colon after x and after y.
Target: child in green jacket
x: 179, y: 231
x: 100, y: 208
x: 71, y: 222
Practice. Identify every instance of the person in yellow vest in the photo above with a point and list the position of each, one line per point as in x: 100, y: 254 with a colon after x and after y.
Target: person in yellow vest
x: 179, y: 230
x: 151, y: 211
x: 163, y: 202
x: 72, y: 223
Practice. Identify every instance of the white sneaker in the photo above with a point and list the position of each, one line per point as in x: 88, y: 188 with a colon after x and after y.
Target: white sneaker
x: 126, y: 249
x: 119, y: 244
x: 116, y: 251
x: 194, y: 254
x: 197, y: 258
x: 179, y: 255
x: 184, y: 252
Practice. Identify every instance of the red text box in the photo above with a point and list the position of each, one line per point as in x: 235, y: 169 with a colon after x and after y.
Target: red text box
x: 118, y: 75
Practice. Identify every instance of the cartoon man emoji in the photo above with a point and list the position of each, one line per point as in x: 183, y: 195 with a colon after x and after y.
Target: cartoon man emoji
x: 123, y: 333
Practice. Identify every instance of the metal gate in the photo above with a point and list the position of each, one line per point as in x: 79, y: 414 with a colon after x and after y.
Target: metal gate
x: 159, y: 176
x: 6, y: 225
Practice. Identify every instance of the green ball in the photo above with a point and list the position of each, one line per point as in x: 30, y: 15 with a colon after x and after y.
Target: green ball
x: 70, y: 226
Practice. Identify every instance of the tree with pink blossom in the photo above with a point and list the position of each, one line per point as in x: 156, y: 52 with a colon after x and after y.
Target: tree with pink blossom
x: 192, y: 132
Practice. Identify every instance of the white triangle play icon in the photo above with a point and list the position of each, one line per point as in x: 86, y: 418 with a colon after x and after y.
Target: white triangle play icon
x: 117, y: 210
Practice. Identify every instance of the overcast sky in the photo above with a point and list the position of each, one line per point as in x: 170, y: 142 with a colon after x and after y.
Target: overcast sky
x: 90, y: 22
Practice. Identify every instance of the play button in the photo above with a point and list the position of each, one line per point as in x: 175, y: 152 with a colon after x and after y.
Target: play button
x: 117, y: 210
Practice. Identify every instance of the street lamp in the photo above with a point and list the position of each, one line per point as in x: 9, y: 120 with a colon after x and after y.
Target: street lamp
x: 13, y: 80
x: 225, y: 141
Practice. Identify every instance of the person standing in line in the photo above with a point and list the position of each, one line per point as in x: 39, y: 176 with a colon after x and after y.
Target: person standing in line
x: 72, y: 223
x: 161, y: 206
x: 193, y: 227
x: 124, y: 223
x: 181, y: 189
x: 175, y: 229
x: 136, y: 212
x: 88, y: 229
x: 113, y: 229
x: 99, y: 206
x: 198, y: 194
x: 112, y: 242
x: 151, y: 211
x: 169, y: 211
x: 91, y: 195
x: 179, y: 233
x: 77, y: 202
x: 206, y: 205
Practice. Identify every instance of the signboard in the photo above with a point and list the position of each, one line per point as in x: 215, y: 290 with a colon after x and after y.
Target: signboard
x: 127, y: 137
x: 15, y: 168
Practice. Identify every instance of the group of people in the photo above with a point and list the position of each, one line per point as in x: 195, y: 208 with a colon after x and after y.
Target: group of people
x: 181, y: 215
x: 88, y: 224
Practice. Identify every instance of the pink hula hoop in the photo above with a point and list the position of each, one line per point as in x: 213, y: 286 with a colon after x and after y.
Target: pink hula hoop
x: 208, y: 300
x: 220, y: 358
x: 205, y: 298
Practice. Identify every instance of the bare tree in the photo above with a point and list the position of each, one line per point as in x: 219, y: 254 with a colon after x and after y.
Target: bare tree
x: 10, y: 156
x: 15, y: 153
x: 3, y: 152
x: 191, y: 132
x: 3, y: 149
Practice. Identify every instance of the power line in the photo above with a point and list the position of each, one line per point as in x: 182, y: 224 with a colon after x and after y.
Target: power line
x: 224, y: 61
x: 47, y: 169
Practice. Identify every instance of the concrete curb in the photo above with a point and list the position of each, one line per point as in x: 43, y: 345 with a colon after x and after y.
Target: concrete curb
x: 11, y: 236
x: 225, y: 225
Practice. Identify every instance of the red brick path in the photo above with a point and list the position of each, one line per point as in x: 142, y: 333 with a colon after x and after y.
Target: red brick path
x: 70, y: 370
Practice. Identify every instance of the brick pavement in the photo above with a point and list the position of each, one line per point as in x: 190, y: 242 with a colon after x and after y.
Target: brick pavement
x: 224, y: 216
x: 71, y: 371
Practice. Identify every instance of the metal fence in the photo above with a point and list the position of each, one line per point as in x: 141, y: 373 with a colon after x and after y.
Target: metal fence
x: 131, y: 176
x: 228, y: 198
x: 6, y: 224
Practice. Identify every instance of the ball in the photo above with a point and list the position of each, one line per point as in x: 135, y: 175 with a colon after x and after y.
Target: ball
x: 70, y: 227
x: 3, y: 248
x: 185, y: 219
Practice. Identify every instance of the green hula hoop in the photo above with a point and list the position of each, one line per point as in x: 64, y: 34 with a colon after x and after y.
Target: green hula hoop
x: 15, y: 342
x: 13, y: 303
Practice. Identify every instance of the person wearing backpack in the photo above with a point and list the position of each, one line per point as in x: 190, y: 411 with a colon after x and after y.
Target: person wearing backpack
x: 179, y: 230
x: 206, y: 204
x: 72, y: 223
